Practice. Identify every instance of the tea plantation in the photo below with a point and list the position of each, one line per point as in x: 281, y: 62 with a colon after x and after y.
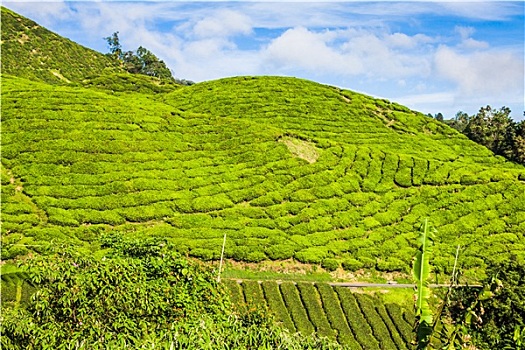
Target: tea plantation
x: 355, y: 320
x: 294, y: 170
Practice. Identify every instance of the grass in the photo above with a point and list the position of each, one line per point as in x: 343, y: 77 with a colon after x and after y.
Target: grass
x: 302, y: 149
x: 30, y: 50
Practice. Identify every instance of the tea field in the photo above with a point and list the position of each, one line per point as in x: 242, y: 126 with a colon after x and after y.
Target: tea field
x: 356, y: 320
x: 299, y: 176
x: 32, y: 51
x: 295, y: 171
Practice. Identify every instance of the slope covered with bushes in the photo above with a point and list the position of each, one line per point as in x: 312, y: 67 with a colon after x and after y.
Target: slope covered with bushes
x: 89, y: 162
x: 139, y: 294
x: 31, y: 51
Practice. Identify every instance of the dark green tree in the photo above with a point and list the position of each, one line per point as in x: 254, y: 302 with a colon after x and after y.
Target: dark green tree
x: 150, y: 65
x: 460, y: 121
x: 495, y: 314
x: 518, y: 142
x: 494, y: 129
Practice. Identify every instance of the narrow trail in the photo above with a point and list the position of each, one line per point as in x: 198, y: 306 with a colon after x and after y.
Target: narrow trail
x: 363, y: 284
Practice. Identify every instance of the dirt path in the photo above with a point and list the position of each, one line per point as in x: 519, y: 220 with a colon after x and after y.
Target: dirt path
x: 367, y: 284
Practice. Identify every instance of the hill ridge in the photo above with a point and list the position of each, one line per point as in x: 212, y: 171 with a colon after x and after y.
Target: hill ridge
x: 32, y: 51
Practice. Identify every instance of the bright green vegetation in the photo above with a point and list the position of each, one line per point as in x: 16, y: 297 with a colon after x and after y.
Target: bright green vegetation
x: 355, y: 320
x: 290, y: 170
x: 31, y: 51
x: 126, y: 84
x: 140, y: 294
x: 79, y: 162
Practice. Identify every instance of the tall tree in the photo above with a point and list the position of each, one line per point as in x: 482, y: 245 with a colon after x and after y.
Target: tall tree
x: 114, y: 45
x: 151, y: 65
x: 518, y: 142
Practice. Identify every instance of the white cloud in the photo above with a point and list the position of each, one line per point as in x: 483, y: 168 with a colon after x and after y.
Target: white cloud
x: 464, y: 32
x: 481, y: 73
x: 473, y: 44
x: 431, y: 99
x: 351, y: 52
x: 301, y: 48
x: 223, y: 23
x: 467, y: 42
x: 486, y: 10
x: 45, y: 13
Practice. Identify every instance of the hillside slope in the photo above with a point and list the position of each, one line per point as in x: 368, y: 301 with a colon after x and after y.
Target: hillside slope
x: 90, y: 163
x: 287, y: 168
x: 31, y: 51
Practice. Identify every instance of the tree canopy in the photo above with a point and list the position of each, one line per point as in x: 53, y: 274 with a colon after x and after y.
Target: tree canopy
x: 494, y: 129
x: 141, y: 61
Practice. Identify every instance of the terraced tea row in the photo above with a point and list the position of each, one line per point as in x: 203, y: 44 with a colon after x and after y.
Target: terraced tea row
x: 89, y: 163
x: 358, y: 321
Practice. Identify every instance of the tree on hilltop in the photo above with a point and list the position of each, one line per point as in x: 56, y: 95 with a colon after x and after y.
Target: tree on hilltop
x: 114, y: 45
x: 494, y: 129
x: 141, y: 61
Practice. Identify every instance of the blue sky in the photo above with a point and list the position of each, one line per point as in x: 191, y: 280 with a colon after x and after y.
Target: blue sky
x: 431, y: 56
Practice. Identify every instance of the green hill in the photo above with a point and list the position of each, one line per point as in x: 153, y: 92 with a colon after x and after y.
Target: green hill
x: 287, y: 168
x: 31, y: 51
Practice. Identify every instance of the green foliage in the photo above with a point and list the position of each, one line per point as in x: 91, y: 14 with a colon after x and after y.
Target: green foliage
x: 142, y: 61
x: 352, y: 264
x: 276, y: 304
x: 493, y: 316
x: 495, y: 130
x: 236, y: 295
x: 312, y: 255
x: 136, y: 291
x: 253, y: 295
x: 336, y: 317
x: 356, y: 320
x: 314, y: 308
x: 295, y: 308
x: 389, y: 324
x: 330, y: 264
x: 140, y: 294
x: 405, y: 327
x: 145, y: 62
x: 126, y: 83
x: 379, y: 328
x: 31, y: 51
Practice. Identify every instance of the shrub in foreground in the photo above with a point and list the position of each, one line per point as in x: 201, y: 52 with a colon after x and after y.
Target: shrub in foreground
x: 141, y: 294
